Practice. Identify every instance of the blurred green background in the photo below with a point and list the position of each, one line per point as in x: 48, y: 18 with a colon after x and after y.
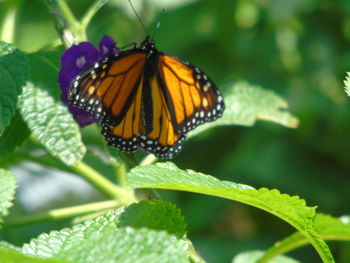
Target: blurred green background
x: 297, y: 48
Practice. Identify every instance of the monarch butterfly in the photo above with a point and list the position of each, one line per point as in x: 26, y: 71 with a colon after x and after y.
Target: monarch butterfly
x: 146, y: 99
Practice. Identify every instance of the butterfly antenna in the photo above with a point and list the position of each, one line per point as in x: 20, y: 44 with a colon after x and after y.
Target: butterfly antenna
x: 138, y: 17
x: 158, y: 24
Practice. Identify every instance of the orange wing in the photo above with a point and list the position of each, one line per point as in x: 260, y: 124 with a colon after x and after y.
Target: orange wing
x: 192, y: 98
x: 162, y: 140
x: 108, y: 89
x: 131, y: 133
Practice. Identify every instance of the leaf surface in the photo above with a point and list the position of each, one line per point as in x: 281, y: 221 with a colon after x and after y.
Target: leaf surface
x: 48, y: 245
x: 154, y: 214
x: 7, y: 192
x: 14, y: 72
x: 246, y: 103
x: 291, y: 209
x: 52, y: 124
x: 127, y: 245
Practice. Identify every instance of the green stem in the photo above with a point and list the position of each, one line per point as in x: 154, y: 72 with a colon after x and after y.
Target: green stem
x: 68, y: 27
x: 149, y: 159
x: 295, y: 241
x: 67, y: 13
x: 194, y: 254
x: 90, y: 13
x: 121, y: 163
x: 111, y: 190
x: 123, y: 195
x: 62, y: 213
x: 120, y: 172
x: 9, y: 21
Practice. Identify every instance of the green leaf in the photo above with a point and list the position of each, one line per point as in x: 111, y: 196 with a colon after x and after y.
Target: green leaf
x: 7, y: 192
x: 99, y: 240
x: 48, y: 245
x: 332, y: 228
x: 14, y: 135
x: 14, y: 72
x: 127, y: 245
x: 246, y: 103
x: 52, y: 124
x: 253, y: 256
x: 291, y: 209
x: 46, y: 61
x: 11, y: 256
x: 347, y: 83
x: 329, y: 228
x: 154, y: 214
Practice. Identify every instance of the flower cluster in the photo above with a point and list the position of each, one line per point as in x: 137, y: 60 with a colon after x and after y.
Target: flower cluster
x: 75, y: 60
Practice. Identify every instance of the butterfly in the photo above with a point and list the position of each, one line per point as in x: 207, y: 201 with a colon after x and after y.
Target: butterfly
x: 146, y: 99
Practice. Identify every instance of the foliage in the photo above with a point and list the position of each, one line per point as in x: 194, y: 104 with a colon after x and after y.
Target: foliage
x: 7, y: 192
x: 290, y: 209
x: 248, y: 103
x: 272, y: 60
x: 51, y: 124
x: 12, y: 61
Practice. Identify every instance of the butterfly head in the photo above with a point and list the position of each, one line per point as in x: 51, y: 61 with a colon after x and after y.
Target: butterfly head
x: 148, y: 45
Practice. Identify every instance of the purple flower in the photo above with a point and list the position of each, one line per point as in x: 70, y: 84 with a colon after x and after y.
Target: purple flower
x: 107, y: 47
x: 75, y: 60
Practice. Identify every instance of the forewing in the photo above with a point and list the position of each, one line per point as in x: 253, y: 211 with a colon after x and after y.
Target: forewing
x: 191, y: 96
x: 108, y: 88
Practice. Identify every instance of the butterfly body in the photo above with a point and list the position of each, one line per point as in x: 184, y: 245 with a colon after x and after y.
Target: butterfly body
x: 146, y: 99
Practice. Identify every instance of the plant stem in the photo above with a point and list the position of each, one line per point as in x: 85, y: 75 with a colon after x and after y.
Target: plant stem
x: 90, y: 13
x: 149, y: 159
x: 9, y: 21
x: 67, y: 26
x: 124, y: 196
x: 62, y: 213
x: 67, y: 13
x: 120, y: 171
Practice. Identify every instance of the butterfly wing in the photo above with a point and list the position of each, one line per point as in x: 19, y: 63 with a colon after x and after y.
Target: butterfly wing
x: 192, y: 97
x: 161, y: 139
x: 108, y: 89
x: 156, y: 130
x: 183, y: 97
x: 111, y: 91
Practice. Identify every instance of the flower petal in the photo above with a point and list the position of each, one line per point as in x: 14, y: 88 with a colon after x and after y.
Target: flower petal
x: 75, y: 60
x: 107, y: 47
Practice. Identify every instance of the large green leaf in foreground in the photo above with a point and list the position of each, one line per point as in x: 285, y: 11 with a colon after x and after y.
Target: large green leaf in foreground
x: 52, y: 124
x: 7, y: 192
x: 127, y: 245
x: 100, y: 240
x: 48, y: 245
x: 291, y: 209
x: 246, y: 103
x: 154, y: 214
x: 14, y: 72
